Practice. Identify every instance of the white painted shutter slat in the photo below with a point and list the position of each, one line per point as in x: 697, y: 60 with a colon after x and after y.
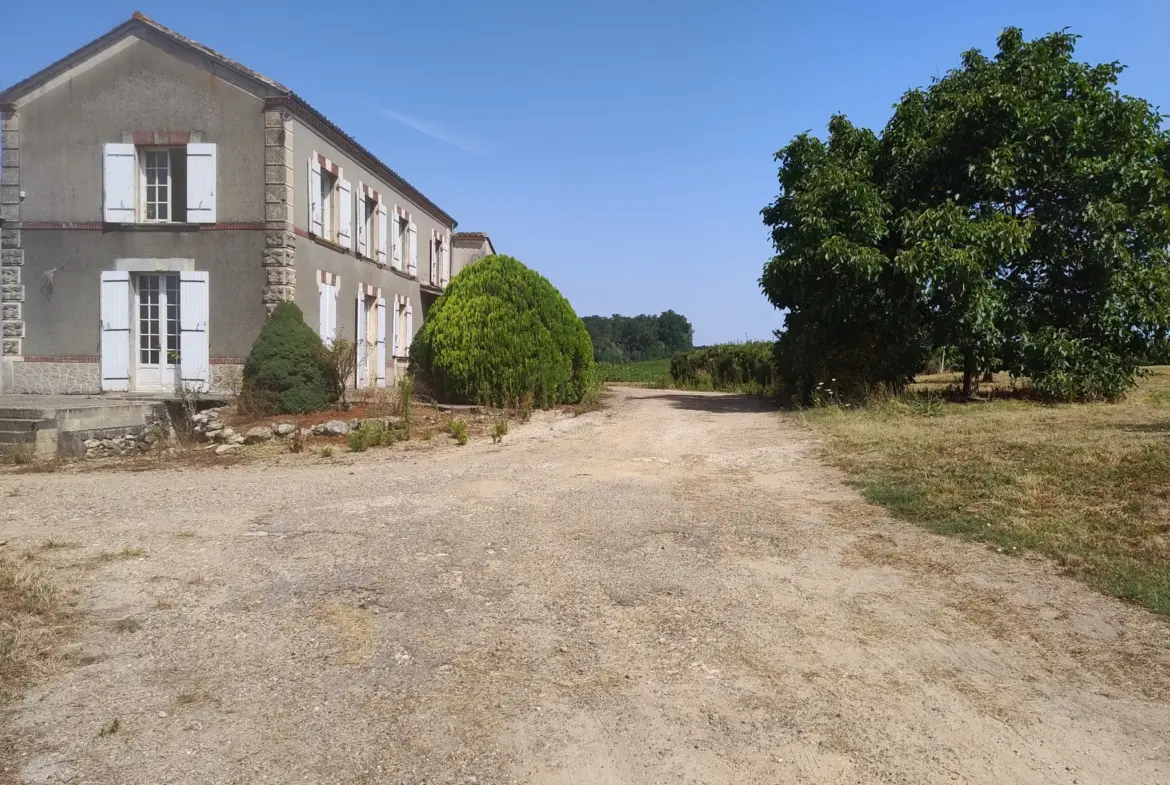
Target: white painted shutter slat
x: 201, y: 174
x: 395, y: 242
x: 115, y: 323
x: 409, y: 329
x: 412, y: 236
x: 344, y: 214
x: 359, y: 206
x: 363, y: 368
x: 381, y: 345
x: 382, y: 233
x: 119, y: 169
x: 316, y: 209
x: 194, y: 315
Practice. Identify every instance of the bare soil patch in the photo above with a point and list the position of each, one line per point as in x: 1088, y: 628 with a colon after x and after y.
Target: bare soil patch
x: 674, y: 590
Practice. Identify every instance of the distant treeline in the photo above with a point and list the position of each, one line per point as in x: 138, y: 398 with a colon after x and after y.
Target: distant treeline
x: 622, y: 339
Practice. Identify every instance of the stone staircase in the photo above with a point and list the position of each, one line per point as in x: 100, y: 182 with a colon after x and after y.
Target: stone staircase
x: 49, y: 426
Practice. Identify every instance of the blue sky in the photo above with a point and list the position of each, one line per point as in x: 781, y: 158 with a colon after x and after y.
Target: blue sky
x: 621, y: 147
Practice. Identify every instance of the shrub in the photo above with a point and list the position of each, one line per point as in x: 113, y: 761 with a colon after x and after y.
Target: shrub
x: 735, y: 366
x: 499, y: 431
x: 286, y: 371
x: 458, y: 429
x: 340, y: 365
x: 501, y: 332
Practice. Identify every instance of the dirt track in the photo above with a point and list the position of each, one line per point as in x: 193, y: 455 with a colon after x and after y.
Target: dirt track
x: 672, y: 591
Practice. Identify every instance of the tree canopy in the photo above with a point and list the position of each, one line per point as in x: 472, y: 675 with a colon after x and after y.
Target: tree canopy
x: 633, y: 338
x: 1016, y: 209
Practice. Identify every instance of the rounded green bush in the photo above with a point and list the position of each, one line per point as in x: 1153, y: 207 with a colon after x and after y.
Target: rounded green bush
x: 501, y: 333
x: 285, y: 371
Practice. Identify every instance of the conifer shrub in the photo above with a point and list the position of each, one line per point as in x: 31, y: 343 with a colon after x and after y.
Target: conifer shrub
x: 501, y: 334
x: 286, y: 371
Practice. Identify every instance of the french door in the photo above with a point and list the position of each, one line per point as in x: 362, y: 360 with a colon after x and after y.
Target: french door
x: 157, y: 327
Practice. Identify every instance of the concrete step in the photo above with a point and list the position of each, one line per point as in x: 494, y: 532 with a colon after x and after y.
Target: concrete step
x: 12, y: 424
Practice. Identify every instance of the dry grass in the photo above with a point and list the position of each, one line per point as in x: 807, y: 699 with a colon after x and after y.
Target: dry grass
x: 354, y: 628
x: 32, y: 621
x: 1087, y: 485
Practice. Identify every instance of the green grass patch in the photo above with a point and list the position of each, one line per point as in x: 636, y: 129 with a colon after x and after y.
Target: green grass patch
x: 1087, y: 485
x: 651, y: 373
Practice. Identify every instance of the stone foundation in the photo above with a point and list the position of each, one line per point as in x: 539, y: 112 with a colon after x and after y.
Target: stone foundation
x: 227, y: 378
x: 49, y: 378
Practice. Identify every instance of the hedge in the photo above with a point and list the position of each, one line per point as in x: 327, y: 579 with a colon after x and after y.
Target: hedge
x: 499, y: 334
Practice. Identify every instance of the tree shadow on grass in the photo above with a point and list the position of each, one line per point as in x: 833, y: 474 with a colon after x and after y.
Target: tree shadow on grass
x: 731, y: 403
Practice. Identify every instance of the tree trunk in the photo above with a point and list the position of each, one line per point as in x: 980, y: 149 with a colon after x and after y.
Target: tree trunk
x: 989, y: 376
x: 969, y: 371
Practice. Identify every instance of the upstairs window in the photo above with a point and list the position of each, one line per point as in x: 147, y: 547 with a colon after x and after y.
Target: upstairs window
x: 158, y: 184
x: 330, y: 205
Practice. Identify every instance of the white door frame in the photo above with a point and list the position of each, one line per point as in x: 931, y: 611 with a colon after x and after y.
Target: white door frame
x: 167, y: 376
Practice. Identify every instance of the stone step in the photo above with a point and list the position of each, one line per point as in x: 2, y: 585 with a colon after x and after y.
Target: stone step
x: 25, y: 425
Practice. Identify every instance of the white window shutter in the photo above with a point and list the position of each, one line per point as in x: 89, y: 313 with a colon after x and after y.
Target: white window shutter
x: 119, y: 176
x: 363, y: 368
x: 380, y: 360
x: 409, y: 329
x: 446, y: 263
x: 201, y: 174
x: 412, y: 236
x: 363, y: 245
x: 194, y: 315
x: 395, y: 242
x: 316, y: 209
x: 323, y: 298
x: 115, y: 321
x: 397, y: 333
x: 344, y: 214
x: 382, y: 233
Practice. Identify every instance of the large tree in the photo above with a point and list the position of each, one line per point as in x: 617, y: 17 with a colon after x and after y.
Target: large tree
x: 1028, y: 206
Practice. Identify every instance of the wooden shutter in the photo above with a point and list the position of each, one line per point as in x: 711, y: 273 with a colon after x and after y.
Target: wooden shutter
x: 412, y: 237
x: 344, y: 213
x: 409, y: 330
x: 395, y: 242
x: 201, y: 174
x: 397, y: 333
x: 194, y: 315
x: 363, y: 349
x: 363, y: 243
x: 119, y: 178
x: 380, y: 360
x: 316, y: 214
x: 446, y: 262
x: 382, y: 233
x: 115, y: 322
x: 326, y: 301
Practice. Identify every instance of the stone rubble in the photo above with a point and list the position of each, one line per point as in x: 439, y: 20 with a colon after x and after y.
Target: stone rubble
x: 208, y: 426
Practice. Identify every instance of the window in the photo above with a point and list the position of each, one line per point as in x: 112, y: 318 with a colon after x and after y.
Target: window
x: 159, y: 184
x: 369, y: 219
x: 328, y: 206
x: 163, y: 179
x: 403, y: 240
x: 330, y: 202
x: 404, y: 331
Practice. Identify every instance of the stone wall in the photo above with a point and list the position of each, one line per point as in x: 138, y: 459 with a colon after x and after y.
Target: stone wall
x: 280, y: 242
x: 11, y: 254
x: 226, y: 378
x: 49, y: 378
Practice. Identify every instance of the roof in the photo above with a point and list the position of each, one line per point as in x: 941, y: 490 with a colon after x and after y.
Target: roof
x: 276, y: 94
x: 474, y: 237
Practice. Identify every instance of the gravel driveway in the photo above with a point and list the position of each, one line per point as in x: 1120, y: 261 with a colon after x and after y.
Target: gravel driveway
x: 673, y: 590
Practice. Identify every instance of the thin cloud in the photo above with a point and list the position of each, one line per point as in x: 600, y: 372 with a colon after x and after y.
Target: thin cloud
x: 436, y: 131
